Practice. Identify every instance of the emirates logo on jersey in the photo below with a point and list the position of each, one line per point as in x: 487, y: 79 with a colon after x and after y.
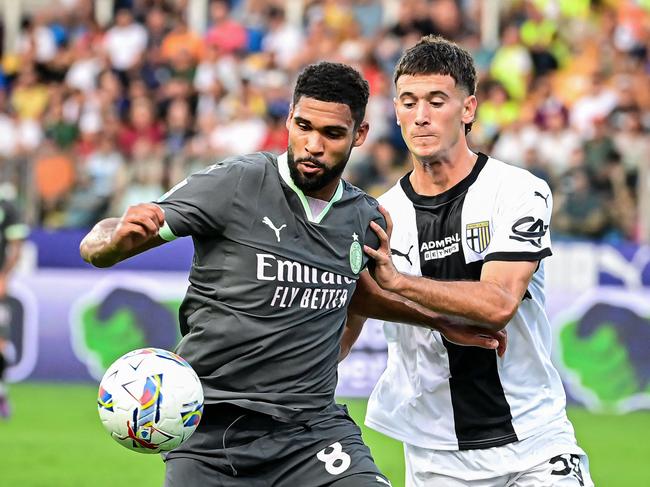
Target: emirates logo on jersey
x: 477, y: 236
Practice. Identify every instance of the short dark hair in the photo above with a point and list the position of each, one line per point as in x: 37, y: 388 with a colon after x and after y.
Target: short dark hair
x: 336, y: 83
x: 436, y: 55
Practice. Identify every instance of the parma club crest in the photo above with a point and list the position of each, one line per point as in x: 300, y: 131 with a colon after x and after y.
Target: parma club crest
x: 477, y: 236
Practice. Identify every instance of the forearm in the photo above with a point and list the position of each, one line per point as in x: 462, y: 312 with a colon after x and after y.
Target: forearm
x: 369, y: 300
x: 484, y: 303
x: 97, y: 247
x: 13, y: 256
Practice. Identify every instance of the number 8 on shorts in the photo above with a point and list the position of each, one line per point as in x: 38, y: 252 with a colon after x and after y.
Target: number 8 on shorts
x: 336, y: 460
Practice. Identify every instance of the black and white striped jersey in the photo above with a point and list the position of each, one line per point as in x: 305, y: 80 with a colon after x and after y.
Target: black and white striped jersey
x: 438, y: 395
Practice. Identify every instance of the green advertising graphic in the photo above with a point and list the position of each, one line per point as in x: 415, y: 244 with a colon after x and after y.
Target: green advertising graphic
x: 603, y: 350
x: 116, y: 320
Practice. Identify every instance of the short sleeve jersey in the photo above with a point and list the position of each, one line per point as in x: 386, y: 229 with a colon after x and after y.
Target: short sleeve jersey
x: 269, y: 283
x: 438, y: 395
x: 11, y: 228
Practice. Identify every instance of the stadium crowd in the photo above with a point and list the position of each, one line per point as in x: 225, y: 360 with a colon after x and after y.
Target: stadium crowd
x: 95, y: 118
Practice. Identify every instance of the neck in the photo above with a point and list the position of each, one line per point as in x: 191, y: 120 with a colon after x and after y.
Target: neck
x: 433, y: 176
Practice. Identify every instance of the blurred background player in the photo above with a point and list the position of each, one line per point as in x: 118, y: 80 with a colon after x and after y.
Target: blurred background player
x: 12, y: 234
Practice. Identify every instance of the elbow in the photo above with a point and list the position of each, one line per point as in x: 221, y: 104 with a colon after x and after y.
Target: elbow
x: 502, y: 315
x: 93, y: 259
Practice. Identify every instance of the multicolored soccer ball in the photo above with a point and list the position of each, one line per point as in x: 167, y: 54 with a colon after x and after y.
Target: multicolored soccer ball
x: 150, y: 400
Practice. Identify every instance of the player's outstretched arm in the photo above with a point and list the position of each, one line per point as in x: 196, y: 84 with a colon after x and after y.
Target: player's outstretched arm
x: 490, y: 302
x: 114, y: 239
x: 369, y: 300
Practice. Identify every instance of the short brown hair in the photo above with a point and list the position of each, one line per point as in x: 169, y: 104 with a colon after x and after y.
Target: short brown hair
x: 436, y: 55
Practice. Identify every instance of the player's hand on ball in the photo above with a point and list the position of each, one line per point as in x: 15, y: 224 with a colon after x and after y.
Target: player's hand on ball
x: 137, y: 226
x: 475, y: 336
x: 383, y: 271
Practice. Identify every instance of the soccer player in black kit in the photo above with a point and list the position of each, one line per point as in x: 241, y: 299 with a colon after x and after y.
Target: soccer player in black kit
x: 278, y: 253
x: 12, y: 234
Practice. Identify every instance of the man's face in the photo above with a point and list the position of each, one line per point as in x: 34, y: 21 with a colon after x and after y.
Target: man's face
x: 432, y: 112
x: 321, y: 137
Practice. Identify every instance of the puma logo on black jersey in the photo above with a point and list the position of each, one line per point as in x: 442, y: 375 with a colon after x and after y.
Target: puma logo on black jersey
x: 545, y: 198
x: 401, y: 254
x: 267, y: 221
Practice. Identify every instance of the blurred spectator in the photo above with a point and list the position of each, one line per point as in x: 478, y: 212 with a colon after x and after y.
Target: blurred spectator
x: 547, y: 102
x: 632, y: 142
x: 142, y: 125
x: 225, y: 33
x: 598, y: 148
x: 381, y: 168
x: 413, y: 21
x: 448, y: 20
x: 497, y: 111
x: 8, y: 129
x: 136, y: 105
x: 141, y: 180
x: 557, y: 142
x: 62, y: 132
x: 85, y: 68
x: 102, y: 167
x: 125, y: 43
x: 369, y: 15
x: 534, y: 164
x: 282, y: 40
x: 37, y: 43
x: 180, y: 40
x: 178, y: 127
x: 577, y: 209
x: 512, y: 65
x: 29, y: 97
x: 596, y: 104
x: 538, y: 33
x: 518, y: 139
x: 276, y: 137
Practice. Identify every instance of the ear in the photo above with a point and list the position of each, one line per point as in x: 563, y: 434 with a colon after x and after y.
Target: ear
x: 469, y: 109
x: 289, y: 117
x: 361, y: 134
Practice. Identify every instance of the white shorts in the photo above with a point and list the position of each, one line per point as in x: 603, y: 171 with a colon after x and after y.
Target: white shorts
x: 549, y: 458
x: 566, y: 470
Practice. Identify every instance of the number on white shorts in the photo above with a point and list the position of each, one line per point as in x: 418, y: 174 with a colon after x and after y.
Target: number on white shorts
x: 336, y: 461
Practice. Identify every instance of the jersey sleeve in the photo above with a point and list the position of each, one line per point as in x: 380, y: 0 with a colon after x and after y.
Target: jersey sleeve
x: 371, y: 239
x: 202, y: 203
x: 14, y: 228
x: 521, y: 224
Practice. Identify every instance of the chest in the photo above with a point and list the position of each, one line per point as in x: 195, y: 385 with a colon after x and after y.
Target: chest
x: 445, y: 241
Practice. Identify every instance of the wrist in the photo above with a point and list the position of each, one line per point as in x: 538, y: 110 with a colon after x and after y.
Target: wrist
x: 398, y: 284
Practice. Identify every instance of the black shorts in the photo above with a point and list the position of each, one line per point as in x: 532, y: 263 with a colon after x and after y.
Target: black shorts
x: 234, y: 447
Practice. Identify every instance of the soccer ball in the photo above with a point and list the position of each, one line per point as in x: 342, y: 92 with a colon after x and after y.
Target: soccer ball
x: 150, y: 400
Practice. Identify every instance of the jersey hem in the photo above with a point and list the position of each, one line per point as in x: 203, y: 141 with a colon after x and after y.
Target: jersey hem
x: 487, y: 443
x: 533, y: 430
x: 452, y: 446
x: 518, y: 256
